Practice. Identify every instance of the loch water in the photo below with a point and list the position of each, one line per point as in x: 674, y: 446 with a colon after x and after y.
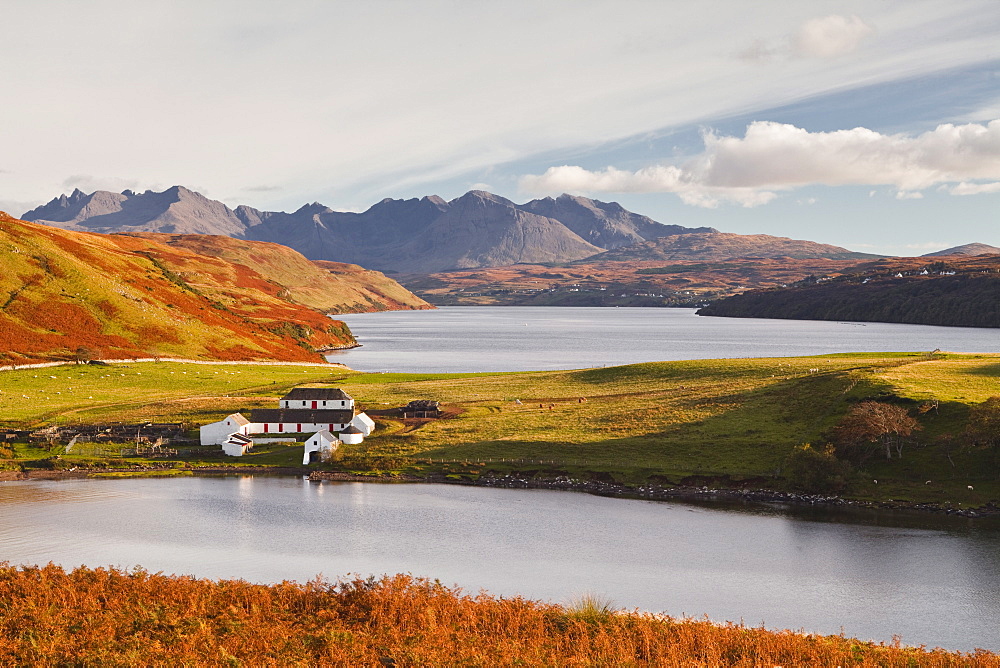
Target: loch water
x: 933, y: 581
x: 505, y: 338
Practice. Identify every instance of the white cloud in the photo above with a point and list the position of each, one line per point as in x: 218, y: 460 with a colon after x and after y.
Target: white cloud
x: 964, y: 188
x: 354, y: 100
x: 830, y: 36
x: 774, y: 157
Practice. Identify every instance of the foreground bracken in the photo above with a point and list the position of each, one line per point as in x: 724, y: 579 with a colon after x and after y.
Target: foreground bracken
x: 49, y: 616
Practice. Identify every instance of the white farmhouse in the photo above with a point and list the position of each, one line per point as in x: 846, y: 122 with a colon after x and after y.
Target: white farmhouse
x: 323, y: 443
x: 317, y: 398
x: 302, y: 410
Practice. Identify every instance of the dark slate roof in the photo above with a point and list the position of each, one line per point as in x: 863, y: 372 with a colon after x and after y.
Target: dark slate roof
x: 351, y: 429
x: 317, y: 394
x: 305, y: 415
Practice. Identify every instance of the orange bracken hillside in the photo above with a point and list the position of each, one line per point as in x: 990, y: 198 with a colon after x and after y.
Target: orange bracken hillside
x: 64, y: 294
x: 331, y: 287
x: 100, y: 617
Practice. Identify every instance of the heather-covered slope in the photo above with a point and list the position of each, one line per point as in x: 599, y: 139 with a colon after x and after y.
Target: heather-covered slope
x: 65, y: 294
x: 331, y: 287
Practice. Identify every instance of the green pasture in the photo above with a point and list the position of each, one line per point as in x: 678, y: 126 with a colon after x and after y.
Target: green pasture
x: 721, y: 420
x: 145, y: 391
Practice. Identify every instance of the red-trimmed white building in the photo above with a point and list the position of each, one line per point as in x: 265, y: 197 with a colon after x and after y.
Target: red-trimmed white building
x: 303, y: 410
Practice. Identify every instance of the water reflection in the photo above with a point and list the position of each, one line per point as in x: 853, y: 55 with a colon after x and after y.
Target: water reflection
x: 879, y: 575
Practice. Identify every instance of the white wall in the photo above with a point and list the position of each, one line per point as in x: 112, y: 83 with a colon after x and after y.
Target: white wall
x: 217, y: 432
x: 364, y: 423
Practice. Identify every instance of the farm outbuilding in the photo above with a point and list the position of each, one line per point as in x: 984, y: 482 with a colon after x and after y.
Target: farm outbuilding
x: 323, y: 443
x: 237, y: 445
x: 217, y: 432
x: 422, y: 408
x: 351, y: 435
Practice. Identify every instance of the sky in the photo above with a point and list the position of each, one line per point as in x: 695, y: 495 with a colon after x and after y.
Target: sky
x: 871, y: 125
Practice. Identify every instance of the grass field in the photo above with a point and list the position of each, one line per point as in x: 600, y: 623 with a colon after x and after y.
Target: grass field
x: 722, y: 420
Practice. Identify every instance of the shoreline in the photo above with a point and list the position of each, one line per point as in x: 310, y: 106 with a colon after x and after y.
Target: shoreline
x: 649, y: 492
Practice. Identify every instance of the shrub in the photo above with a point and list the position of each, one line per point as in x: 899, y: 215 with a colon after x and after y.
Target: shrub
x: 816, y: 471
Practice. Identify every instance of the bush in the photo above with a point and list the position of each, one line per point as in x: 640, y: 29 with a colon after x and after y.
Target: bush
x: 816, y: 471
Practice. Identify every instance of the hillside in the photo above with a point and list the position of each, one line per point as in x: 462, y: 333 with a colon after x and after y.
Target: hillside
x: 611, y: 283
x: 676, y: 270
x: 722, y: 246
x: 958, y: 292
x: 68, y: 294
x: 331, y: 287
x: 481, y: 229
x: 966, y: 249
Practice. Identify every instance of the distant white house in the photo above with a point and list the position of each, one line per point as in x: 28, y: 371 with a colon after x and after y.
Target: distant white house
x: 302, y: 410
x: 237, y: 445
x: 323, y: 443
x: 317, y: 398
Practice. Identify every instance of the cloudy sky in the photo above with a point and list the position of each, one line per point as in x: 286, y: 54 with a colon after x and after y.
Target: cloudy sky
x: 870, y: 125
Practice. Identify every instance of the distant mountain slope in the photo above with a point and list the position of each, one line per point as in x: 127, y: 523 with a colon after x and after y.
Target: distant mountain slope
x: 966, y: 249
x: 480, y: 229
x: 126, y: 296
x: 176, y: 210
x: 331, y: 287
x: 608, y: 225
x: 423, y: 235
x: 720, y: 246
x: 957, y: 293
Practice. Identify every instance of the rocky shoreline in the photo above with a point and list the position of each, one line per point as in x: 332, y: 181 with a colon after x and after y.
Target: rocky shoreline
x: 650, y: 492
x: 653, y: 492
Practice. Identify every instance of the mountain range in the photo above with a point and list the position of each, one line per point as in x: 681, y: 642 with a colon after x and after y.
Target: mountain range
x: 429, y: 234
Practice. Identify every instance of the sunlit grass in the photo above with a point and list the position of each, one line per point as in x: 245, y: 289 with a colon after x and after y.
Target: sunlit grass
x: 143, y: 390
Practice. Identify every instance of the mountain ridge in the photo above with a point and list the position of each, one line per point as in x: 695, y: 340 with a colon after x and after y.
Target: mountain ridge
x: 481, y: 229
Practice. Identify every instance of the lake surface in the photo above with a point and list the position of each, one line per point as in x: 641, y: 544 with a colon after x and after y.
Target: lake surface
x: 512, y: 338
x: 938, y: 585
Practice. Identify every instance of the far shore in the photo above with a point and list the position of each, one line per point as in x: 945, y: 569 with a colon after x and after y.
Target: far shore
x: 46, y: 365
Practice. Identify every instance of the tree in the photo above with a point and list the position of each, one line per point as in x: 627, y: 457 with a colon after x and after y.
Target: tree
x: 84, y: 354
x: 875, y: 423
